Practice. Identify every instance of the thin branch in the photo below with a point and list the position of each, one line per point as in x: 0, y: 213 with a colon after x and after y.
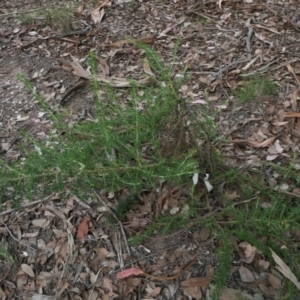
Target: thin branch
x: 118, y: 221
x: 217, y: 74
x: 14, y: 238
x: 248, y: 40
x: 26, y: 205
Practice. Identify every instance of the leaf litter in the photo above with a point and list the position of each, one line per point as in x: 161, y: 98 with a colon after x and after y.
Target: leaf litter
x: 68, y: 248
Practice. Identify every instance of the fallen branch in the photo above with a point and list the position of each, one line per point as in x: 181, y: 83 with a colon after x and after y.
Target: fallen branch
x: 26, y: 205
x: 118, y: 221
x: 248, y: 40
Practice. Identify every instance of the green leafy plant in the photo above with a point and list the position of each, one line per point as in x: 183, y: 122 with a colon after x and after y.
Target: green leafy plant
x: 256, y: 87
x: 149, y: 140
x: 57, y: 18
x: 132, y: 146
x: 5, y: 253
x: 225, y: 252
x: 164, y: 225
x: 263, y: 221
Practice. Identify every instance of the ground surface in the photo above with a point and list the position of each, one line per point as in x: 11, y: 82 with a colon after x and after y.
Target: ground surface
x: 222, y: 42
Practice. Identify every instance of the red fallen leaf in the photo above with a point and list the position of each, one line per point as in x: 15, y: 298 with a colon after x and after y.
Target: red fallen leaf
x: 129, y: 272
x: 83, y: 228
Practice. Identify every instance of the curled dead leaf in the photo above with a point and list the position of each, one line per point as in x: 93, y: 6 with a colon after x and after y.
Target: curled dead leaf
x: 147, y: 68
x: 98, y: 13
x: 263, y: 264
x: 249, y: 252
x: 83, y: 228
x: 104, y: 66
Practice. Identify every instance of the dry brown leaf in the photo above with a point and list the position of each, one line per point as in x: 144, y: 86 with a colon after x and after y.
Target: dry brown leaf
x: 104, y: 66
x: 30, y: 234
x: 213, y: 98
x: 147, y: 68
x: 83, y: 228
x: 93, y: 277
x: 249, y: 252
x: 263, y: 264
x: 246, y: 274
x: 80, y: 9
x: 294, y: 100
x: 296, y: 191
x: 255, y: 144
x: 156, y: 291
x: 162, y: 202
x: 298, y: 126
x: 134, y: 281
x: 30, y: 286
x: 28, y: 270
x: 266, y: 204
x: 78, y: 70
x: 220, y: 4
x: 98, y: 13
x: 56, y: 211
x: 108, y: 284
x: 292, y: 114
x: 64, y: 287
x: 21, y: 281
x: 147, y: 40
x: 43, y: 223
x: 291, y: 70
x: 169, y: 28
x: 274, y: 281
x: 94, y: 295
x: 137, y: 223
x: 232, y: 294
x: 41, y: 281
x: 123, y: 82
x: 209, y: 270
x: 264, y: 289
x: 196, y: 281
x: 118, y: 44
x: 2, y: 294
x: 113, y: 81
x: 63, y: 250
x: 194, y: 292
x: 277, y: 123
x: 296, y: 233
x: 102, y: 253
x: 131, y: 284
x: 36, y: 296
x: 204, y: 79
x: 5, y: 146
x: 285, y: 270
x: 204, y: 234
x: 232, y: 195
